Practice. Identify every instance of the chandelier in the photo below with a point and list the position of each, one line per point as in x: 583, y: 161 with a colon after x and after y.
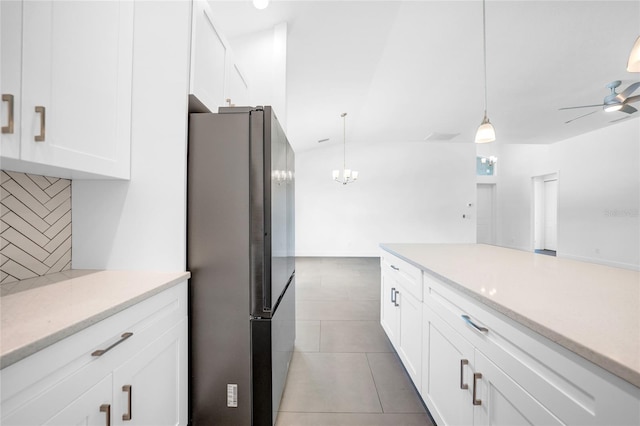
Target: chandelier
x: 348, y: 175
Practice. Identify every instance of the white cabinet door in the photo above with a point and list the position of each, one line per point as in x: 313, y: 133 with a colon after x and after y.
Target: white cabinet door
x: 410, y: 335
x: 208, y: 58
x: 92, y: 408
x: 76, y: 85
x: 389, y: 313
x: 503, y: 401
x: 10, y: 70
x: 151, y: 388
x: 237, y: 86
x: 447, y: 372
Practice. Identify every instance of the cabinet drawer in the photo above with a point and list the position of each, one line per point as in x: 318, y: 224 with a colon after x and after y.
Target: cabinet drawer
x: 568, y: 386
x: 40, y: 374
x: 407, y: 275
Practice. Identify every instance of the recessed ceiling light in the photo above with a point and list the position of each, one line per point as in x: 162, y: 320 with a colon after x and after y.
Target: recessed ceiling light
x: 261, y: 4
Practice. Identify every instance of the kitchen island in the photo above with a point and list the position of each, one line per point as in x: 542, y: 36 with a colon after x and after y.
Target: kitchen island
x: 549, y: 325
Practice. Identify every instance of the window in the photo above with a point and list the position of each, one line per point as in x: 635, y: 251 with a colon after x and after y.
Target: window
x: 485, y: 166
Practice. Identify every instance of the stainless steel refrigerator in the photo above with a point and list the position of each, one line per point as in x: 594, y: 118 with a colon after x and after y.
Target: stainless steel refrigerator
x: 240, y: 252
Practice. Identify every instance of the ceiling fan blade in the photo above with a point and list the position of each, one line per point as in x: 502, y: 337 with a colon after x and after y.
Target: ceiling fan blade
x: 628, y: 109
x: 581, y: 106
x: 583, y: 115
x: 626, y: 92
x: 619, y: 119
x: 632, y: 99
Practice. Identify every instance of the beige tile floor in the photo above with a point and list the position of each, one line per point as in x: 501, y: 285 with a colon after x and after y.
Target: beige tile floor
x: 344, y: 371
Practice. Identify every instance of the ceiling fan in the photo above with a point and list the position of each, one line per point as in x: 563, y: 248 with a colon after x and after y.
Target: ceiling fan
x: 615, y: 101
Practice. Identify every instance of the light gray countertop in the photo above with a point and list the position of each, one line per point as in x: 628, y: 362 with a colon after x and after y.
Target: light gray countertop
x: 592, y: 310
x: 38, y: 312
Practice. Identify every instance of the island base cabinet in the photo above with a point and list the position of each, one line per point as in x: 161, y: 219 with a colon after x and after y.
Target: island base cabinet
x: 447, y: 372
x: 401, y: 313
x: 389, y: 313
x: 502, y: 402
x: 514, y: 375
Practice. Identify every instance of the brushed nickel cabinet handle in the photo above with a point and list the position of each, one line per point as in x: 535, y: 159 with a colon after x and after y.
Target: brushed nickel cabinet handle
x: 393, y: 295
x: 40, y: 137
x: 9, y: 127
x: 128, y: 390
x: 395, y: 268
x: 101, y: 352
x: 474, y: 325
x: 106, y: 408
x: 476, y: 376
x: 395, y: 299
x: 463, y: 362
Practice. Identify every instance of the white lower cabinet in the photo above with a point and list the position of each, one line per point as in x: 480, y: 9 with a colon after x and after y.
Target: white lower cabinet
x: 91, y: 408
x: 475, y: 366
x: 140, y: 378
x: 401, y: 312
x: 481, y: 368
x: 502, y: 401
x: 447, y: 371
x: 148, y: 388
x: 389, y: 312
x: 410, y: 336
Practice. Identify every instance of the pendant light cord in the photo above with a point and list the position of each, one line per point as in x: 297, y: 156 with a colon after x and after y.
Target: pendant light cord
x: 484, y: 50
x: 344, y: 141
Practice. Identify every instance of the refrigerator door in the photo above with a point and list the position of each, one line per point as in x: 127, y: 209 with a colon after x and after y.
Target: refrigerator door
x: 271, y: 212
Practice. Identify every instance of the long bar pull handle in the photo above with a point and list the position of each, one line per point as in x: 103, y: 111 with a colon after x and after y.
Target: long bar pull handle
x: 128, y: 390
x: 393, y: 295
x: 463, y: 385
x: 395, y: 268
x: 41, y: 110
x: 395, y: 299
x: 476, y: 376
x: 101, y: 352
x: 471, y: 323
x: 106, y: 408
x: 9, y: 127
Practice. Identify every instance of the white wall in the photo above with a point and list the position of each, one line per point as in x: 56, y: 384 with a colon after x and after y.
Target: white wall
x: 406, y: 192
x: 140, y: 224
x: 598, y: 194
x: 517, y: 164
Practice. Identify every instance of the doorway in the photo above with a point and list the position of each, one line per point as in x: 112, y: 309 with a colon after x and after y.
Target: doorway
x: 545, y: 214
x: 485, y: 203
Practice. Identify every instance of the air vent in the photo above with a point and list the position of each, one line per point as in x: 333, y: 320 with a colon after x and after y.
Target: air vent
x: 440, y: 137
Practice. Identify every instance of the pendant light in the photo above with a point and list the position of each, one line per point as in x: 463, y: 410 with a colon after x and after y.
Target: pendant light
x: 634, y: 57
x: 486, y: 132
x: 348, y: 175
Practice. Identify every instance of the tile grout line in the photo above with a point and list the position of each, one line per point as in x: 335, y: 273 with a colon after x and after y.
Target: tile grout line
x: 375, y: 384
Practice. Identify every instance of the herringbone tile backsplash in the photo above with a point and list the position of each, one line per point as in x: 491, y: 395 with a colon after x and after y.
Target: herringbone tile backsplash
x: 35, y: 226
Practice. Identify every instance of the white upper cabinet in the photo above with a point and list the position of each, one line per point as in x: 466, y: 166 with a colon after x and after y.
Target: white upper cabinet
x: 208, y: 58
x: 75, y: 98
x: 215, y: 77
x: 10, y: 60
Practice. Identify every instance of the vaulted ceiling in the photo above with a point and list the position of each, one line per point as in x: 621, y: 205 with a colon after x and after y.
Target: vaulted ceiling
x: 406, y: 69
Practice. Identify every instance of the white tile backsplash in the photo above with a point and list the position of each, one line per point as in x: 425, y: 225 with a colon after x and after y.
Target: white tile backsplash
x: 35, y: 226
